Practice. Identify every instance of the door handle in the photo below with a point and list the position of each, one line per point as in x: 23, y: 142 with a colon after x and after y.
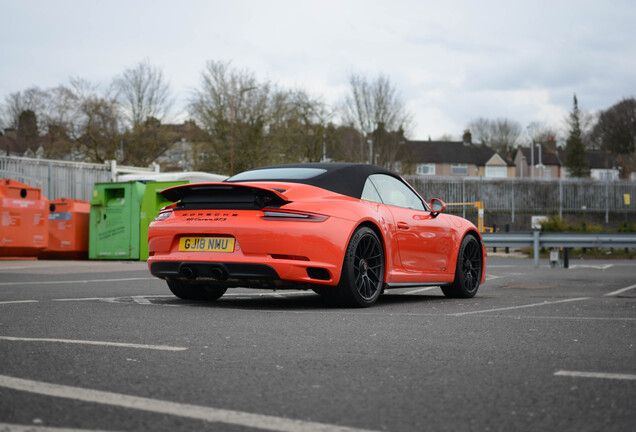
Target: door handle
x: 403, y: 225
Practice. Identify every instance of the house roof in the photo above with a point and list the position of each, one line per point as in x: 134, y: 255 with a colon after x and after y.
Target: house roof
x: 601, y: 160
x: 547, y: 157
x: 452, y: 152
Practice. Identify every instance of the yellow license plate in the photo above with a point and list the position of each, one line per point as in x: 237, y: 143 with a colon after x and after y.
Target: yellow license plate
x: 206, y: 244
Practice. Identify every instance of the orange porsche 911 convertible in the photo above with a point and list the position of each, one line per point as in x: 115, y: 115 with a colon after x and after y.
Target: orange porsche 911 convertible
x: 346, y: 231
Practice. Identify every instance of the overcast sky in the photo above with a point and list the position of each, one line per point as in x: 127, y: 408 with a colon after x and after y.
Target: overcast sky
x: 452, y: 61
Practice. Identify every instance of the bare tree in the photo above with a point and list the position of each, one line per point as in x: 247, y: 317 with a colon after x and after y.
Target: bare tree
x: 31, y: 99
x: 143, y: 93
x: 501, y: 134
x: 371, y: 106
x: 59, y: 107
x: 236, y: 111
x: 616, y: 128
x: 541, y: 133
x: 96, y: 124
x: 146, y: 142
x: 299, y: 125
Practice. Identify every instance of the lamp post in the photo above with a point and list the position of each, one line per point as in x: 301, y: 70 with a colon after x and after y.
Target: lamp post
x: 540, y: 162
x: 232, y: 126
x: 530, y: 129
x: 324, y: 148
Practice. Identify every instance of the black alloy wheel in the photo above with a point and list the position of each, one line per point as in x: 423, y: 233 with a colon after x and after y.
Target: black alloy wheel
x: 362, y: 276
x: 468, y: 270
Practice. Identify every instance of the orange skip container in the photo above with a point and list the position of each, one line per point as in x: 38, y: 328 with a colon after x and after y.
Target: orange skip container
x: 68, y: 229
x: 25, y: 220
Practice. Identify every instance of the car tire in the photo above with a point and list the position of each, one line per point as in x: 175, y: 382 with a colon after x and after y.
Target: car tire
x: 190, y: 291
x: 362, y: 278
x: 468, y: 270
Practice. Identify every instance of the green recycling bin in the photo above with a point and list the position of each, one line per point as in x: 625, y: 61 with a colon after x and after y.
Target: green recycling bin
x: 150, y: 206
x: 114, y: 220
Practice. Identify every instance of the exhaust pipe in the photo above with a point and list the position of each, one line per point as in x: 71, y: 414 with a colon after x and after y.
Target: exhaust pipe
x: 187, y: 272
x: 218, y: 273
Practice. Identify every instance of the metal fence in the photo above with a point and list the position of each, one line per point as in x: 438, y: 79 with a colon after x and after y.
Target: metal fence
x: 531, y: 196
x: 59, y: 179
x: 62, y: 179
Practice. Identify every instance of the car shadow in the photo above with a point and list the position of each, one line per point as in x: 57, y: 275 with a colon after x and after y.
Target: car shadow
x: 296, y: 302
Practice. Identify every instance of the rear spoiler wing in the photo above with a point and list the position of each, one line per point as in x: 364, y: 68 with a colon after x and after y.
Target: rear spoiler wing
x: 235, y: 196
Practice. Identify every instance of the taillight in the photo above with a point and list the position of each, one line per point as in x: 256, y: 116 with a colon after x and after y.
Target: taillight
x: 290, y: 257
x: 164, y: 214
x: 280, y: 215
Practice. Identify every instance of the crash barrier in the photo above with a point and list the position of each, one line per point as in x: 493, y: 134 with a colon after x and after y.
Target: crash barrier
x: 25, y: 220
x: 68, y: 229
x: 120, y: 214
x: 538, y: 240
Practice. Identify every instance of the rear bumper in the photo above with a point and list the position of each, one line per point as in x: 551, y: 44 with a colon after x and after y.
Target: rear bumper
x: 219, y: 271
x: 229, y: 274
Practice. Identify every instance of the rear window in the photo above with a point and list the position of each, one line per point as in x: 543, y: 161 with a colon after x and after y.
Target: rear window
x: 277, y: 174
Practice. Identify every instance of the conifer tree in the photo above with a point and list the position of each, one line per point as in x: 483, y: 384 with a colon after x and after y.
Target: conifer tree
x: 575, y: 155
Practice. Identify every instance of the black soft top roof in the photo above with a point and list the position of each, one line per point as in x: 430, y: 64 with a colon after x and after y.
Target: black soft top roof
x: 343, y: 178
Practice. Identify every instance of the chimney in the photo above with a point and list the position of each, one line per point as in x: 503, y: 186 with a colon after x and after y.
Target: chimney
x: 550, y: 145
x: 468, y: 138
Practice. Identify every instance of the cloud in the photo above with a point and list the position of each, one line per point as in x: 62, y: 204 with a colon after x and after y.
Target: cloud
x: 451, y: 61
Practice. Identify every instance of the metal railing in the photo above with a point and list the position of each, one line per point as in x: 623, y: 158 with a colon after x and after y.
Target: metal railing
x: 518, y: 195
x: 63, y: 179
x: 538, y: 240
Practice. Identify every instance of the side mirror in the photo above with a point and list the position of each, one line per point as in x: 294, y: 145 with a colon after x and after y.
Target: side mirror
x: 437, y: 205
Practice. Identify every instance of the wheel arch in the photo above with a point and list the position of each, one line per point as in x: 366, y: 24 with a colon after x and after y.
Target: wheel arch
x: 473, y: 232
x: 455, y: 253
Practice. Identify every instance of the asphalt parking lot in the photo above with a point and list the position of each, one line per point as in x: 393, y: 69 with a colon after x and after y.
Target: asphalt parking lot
x: 104, y: 346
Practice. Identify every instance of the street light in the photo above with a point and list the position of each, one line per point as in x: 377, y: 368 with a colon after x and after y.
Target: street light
x: 530, y: 129
x: 232, y: 126
x: 540, y: 162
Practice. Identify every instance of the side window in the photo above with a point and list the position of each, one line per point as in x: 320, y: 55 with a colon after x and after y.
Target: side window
x: 370, y: 193
x: 393, y: 192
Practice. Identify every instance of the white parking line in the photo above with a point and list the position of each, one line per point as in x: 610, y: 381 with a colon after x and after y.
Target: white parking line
x: 217, y: 415
x: 265, y: 294
x: 592, y: 266
x: 596, y: 375
x: 545, y: 303
x: 32, y: 267
x: 147, y: 298
x: 70, y: 282
x: 350, y: 312
x: 620, y: 291
x: 419, y: 290
x: 18, y: 301
x: 85, y: 342
x: 491, y: 276
x: 6, y: 427
x: 137, y: 299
